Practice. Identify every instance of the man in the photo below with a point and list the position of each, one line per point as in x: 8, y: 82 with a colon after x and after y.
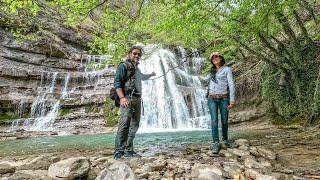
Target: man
x: 128, y: 87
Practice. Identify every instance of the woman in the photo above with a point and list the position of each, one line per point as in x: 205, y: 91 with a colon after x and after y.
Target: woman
x: 221, y: 95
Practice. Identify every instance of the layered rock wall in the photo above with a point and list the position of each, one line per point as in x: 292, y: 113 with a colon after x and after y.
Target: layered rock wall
x: 28, y: 68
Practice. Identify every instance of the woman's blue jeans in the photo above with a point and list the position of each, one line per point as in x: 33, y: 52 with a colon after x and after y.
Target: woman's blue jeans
x: 222, y: 105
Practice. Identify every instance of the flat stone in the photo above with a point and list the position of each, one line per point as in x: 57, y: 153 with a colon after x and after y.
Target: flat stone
x: 6, y: 168
x: 70, y: 168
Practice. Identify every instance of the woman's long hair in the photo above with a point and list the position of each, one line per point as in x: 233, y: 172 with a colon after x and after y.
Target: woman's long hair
x: 213, y: 70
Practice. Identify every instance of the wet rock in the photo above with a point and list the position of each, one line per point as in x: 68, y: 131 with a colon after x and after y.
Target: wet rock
x: 6, y: 168
x: 117, y: 171
x: 70, y: 168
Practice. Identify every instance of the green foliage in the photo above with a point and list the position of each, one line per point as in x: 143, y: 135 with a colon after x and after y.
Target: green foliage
x: 279, y: 98
x: 13, y: 6
x: 112, y: 114
x: 63, y: 111
x: 6, y: 118
x: 92, y: 109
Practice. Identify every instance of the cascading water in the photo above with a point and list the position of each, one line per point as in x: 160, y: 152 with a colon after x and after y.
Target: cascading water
x: 177, y: 100
x: 46, y: 107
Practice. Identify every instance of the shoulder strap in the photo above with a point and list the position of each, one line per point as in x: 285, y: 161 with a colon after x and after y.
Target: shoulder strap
x: 130, y: 70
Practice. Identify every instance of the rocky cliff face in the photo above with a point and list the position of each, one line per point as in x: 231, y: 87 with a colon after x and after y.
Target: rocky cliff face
x: 37, y: 75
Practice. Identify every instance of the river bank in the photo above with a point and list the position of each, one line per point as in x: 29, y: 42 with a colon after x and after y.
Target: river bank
x: 271, y: 153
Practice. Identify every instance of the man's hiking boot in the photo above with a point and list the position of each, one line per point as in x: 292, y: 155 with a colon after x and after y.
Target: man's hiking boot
x: 215, y: 148
x: 130, y: 154
x: 118, y: 155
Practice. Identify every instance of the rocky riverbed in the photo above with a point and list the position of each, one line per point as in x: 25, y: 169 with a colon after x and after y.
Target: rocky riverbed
x: 277, y: 154
x: 192, y: 162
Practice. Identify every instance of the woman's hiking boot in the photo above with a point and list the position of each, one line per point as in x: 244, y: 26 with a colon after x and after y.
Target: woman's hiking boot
x: 215, y: 148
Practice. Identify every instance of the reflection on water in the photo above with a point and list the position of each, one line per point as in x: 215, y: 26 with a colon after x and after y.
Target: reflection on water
x: 101, y: 141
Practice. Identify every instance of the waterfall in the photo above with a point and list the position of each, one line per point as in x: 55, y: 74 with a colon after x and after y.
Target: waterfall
x: 64, y: 93
x: 174, y: 101
x: 46, y: 107
x: 177, y: 100
x: 45, y: 93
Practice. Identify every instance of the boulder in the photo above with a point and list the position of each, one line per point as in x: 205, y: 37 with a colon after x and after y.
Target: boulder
x: 117, y: 171
x: 6, y: 168
x: 70, y: 168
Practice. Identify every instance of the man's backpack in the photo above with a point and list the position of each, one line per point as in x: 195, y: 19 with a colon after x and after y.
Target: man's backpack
x: 130, y: 71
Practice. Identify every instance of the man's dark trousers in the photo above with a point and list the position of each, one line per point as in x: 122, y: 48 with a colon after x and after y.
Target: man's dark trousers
x: 128, y: 125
